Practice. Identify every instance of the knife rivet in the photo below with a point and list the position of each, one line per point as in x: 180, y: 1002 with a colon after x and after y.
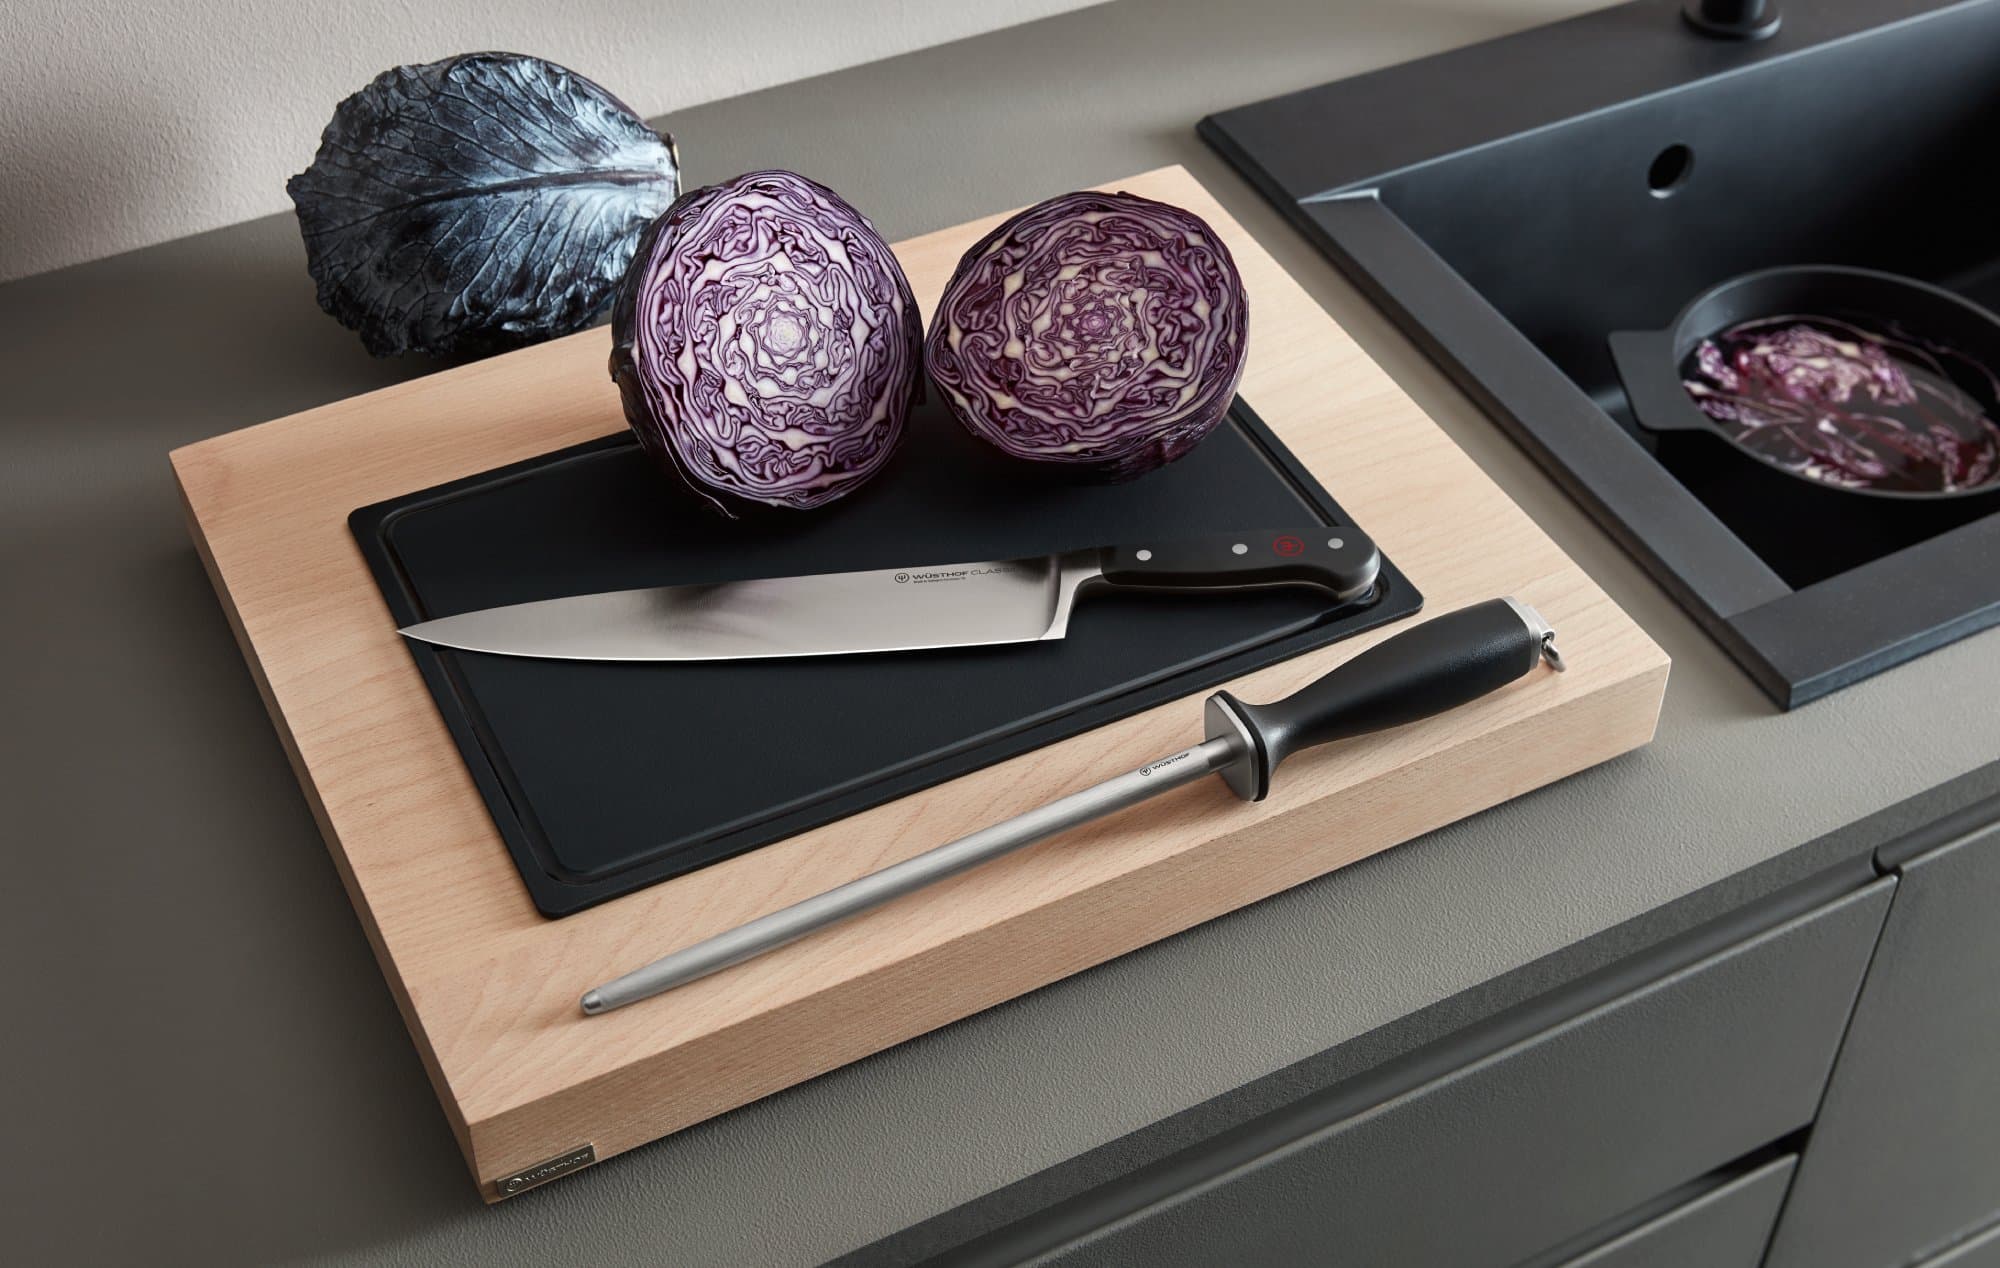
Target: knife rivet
x: 1143, y: 556
x: 1335, y: 543
x: 1239, y: 549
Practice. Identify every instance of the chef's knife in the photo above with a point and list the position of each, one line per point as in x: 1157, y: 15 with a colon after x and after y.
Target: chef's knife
x: 1425, y: 670
x: 900, y: 609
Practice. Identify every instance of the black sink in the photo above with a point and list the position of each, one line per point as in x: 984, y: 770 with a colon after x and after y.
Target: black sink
x: 1513, y: 203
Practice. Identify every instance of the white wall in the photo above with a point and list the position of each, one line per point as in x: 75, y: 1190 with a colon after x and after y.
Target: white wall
x: 124, y: 123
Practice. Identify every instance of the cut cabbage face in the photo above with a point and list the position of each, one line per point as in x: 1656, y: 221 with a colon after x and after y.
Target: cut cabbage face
x: 767, y: 344
x: 1103, y: 332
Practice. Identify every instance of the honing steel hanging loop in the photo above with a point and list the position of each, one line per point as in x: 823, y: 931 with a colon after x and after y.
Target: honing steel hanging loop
x: 1551, y: 653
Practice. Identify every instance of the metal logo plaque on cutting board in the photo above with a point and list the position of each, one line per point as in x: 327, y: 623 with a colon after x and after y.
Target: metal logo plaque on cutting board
x: 546, y: 1170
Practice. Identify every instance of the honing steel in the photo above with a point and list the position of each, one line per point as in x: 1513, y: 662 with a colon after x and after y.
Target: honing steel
x: 901, y: 609
x: 1425, y: 670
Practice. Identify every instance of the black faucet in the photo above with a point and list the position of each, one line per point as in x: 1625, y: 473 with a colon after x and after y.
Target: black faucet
x: 1731, y: 19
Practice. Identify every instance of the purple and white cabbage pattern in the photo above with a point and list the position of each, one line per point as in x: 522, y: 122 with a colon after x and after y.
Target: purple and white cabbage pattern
x: 1105, y: 331
x: 1846, y: 406
x: 767, y: 344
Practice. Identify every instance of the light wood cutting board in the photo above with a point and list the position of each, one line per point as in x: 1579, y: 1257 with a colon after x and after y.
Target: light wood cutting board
x: 489, y: 987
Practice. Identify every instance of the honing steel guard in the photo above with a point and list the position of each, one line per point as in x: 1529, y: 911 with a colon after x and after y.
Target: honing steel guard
x: 1436, y: 666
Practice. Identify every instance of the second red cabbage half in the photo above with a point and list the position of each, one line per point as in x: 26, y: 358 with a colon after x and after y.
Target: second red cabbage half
x: 1103, y: 332
x: 766, y: 344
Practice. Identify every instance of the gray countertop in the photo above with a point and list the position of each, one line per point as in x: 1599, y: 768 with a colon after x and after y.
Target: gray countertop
x: 203, y: 1063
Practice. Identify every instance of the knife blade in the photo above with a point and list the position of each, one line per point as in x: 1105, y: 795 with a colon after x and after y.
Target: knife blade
x: 900, y: 609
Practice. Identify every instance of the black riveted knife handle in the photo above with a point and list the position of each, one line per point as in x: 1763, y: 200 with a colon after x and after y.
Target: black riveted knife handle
x: 1341, y: 561
x: 1424, y: 671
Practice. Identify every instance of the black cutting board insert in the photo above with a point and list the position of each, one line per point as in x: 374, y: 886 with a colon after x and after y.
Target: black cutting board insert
x: 604, y: 778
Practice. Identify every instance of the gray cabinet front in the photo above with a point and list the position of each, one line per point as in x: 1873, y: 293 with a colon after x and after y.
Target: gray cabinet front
x: 1906, y: 1153
x: 1727, y: 1227
x: 1524, y: 1148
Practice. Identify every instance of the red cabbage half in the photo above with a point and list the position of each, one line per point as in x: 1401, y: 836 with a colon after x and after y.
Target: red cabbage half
x: 1104, y: 331
x: 766, y: 344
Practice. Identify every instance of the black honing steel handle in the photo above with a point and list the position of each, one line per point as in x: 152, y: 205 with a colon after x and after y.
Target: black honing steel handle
x: 1424, y: 671
x: 1339, y: 560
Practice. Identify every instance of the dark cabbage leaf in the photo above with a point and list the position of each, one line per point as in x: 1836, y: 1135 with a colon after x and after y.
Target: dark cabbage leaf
x: 766, y: 344
x: 1849, y: 406
x: 1105, y: 332
x: 477, y: 203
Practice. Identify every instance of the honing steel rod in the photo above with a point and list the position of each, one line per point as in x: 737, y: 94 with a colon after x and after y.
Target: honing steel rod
x: 1426, y: 670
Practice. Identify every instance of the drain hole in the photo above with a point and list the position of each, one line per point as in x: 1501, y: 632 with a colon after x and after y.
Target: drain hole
x: 1669, y: 170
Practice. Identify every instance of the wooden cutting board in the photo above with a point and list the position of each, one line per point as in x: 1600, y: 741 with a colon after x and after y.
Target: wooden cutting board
x: 488, y: 986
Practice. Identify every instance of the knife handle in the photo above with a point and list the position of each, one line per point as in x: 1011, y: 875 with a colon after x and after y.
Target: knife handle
x: 1339, y: 560
x: 1433, y: 667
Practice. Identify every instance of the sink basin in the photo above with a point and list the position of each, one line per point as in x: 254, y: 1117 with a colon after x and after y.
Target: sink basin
x: 1514, y: 203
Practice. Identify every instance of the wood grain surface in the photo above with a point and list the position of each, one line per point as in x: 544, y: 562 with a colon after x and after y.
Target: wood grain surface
x: 489, y: 987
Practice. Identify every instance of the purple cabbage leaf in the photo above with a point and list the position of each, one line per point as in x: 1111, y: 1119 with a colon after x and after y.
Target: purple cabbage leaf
x: 1847, y: 406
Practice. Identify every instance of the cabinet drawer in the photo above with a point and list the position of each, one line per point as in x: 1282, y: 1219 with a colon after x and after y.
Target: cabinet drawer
x: 1727, y: 1227
x: 1521, y: 1149
x: 1906, y: 1152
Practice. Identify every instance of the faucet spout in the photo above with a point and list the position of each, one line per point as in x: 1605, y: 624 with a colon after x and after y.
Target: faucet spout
x: 1732, y: 19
